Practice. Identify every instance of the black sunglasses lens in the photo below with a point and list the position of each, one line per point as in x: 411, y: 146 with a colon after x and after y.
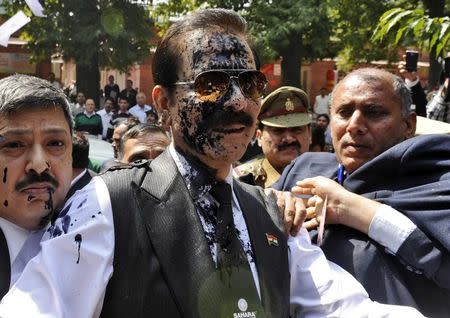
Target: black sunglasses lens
x: 209, y: 86
x: 253, y: 84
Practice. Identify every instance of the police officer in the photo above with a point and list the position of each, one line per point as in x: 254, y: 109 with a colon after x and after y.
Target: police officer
x: 283, y: 134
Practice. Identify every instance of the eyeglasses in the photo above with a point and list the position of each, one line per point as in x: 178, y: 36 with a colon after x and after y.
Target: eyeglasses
x: 211, y: 85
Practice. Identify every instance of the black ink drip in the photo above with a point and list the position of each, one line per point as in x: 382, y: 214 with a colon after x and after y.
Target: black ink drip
x: 5, y: 203
x: 5, y: 172
x: 48, y: 165
x: 49, y: 203
x: 78, y: 240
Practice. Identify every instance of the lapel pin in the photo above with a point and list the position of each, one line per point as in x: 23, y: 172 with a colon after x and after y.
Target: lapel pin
x: 272, y: 240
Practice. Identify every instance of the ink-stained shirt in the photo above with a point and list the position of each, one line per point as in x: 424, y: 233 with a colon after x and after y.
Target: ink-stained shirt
x: 68, y: 278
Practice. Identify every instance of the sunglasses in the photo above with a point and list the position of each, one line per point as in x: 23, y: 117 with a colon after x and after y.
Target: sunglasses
x: 210, y: 85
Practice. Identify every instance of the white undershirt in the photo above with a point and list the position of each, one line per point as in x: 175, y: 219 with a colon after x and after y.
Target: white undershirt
x: 15, y: 237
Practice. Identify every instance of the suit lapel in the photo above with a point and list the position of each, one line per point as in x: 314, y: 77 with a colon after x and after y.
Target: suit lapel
x: 267, y: 256
x: 176, y: 233
x: 84, y: 180
x: 5, y: 267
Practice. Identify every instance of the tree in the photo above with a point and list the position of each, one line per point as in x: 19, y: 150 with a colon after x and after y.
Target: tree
x: 428, y: 31
x: 293, y: 30
x: 353, y: 28
x: 95, y: 34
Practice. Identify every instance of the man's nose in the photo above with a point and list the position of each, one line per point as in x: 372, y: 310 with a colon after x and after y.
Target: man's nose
x: 288, y: 136
x: 236, y: 101
x: 357, y: 123
x: 37, y: 160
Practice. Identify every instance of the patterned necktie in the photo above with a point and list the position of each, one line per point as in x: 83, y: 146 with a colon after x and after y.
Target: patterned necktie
x: 238, y: 293
x: 229, y: 249
x: 5, y: 267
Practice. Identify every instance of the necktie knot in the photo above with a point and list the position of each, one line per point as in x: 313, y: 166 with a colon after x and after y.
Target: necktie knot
x: 221, y: 191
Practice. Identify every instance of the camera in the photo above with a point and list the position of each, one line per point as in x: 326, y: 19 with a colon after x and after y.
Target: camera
x: 411, y: 59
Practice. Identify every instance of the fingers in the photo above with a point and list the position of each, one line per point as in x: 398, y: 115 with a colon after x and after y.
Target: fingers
x: 299, y: 216
x: 311, y: 224
x: 289, y: 211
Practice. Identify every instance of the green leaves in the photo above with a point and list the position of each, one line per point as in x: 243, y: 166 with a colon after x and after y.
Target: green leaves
x: 116, y: 30
x: 399, y: 24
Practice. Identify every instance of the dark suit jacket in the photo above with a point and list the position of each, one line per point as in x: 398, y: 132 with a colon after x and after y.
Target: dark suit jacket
x: 162, y: 261
x: 414, y: 178
x: 80, y: 183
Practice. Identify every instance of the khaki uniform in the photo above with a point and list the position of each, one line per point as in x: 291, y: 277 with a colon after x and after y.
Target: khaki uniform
x: 258, y: 172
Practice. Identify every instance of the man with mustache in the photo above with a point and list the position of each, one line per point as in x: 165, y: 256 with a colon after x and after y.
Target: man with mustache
x: 388, y: 194
x: 283, y: 134
x: 35, y: 162
x: 178, y: 237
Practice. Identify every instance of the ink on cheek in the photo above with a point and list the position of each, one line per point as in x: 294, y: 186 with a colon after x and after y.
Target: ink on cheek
x: 5, y: 203
x: 49, y: 203
x: 5, y: 172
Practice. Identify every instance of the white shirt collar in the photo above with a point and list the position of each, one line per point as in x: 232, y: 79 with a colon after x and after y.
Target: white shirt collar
x: 78, y: 177
x: 181, y: 168
x: 15, y: 237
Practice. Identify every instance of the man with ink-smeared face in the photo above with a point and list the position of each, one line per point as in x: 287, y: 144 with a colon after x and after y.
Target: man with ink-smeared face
x: 215, y: 132
x: 35, y: 163
x: 35, y: 154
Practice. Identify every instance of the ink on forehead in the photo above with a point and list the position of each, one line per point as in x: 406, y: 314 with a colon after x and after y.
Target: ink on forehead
x: 221, y: 51
x: 5, y: 172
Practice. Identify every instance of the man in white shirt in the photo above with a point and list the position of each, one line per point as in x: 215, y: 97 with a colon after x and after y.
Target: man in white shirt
x: 322, y: 103
x: 79, y: 106
x: 161, y: 239
x: 35, y: 160
x: 139, y: 110
x: 106, y: 114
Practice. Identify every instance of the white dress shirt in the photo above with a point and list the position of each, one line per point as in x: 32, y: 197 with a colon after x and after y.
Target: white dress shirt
x: 139, y: 112
x: 15, y: 237
x: 106, y: 119
x: 321, y: 104
x: 68, y: 278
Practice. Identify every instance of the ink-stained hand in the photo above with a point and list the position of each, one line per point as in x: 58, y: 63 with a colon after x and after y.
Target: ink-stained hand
x: 343, y: 206
x: 292, y: 210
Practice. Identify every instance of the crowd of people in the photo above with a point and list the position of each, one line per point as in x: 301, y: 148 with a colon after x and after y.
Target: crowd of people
x: 192, y: 232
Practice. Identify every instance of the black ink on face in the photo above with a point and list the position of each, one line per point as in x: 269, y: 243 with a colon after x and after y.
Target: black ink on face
x: 5, y: 203
x: 222, y: 51
x: 5, y: 172
x: 78, y: 240
x: 200, y: 121
x: 48, y: 165
x: 49, y: 203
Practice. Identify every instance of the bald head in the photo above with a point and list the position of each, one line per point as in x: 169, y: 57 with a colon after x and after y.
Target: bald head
x: 370, y: 112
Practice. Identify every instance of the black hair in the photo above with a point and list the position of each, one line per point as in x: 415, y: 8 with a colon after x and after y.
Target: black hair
x: 80, y: 151
x: 20, y: 92
x: 139, y: 131
x: 166, y: 60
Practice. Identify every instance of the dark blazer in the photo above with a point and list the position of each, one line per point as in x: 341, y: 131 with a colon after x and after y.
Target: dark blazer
x: 162, y: 261
x: 80, y: 183
x: 414, y: 178
x: 5, y: 266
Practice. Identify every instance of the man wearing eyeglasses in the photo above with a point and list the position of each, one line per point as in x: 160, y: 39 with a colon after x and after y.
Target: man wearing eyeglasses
x: 178, y: 237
